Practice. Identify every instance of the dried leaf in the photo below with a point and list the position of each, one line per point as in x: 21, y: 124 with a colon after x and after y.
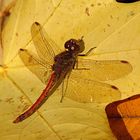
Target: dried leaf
x: 124, y: 118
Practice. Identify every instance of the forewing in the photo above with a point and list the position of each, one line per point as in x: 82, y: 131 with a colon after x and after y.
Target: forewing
x: 89, y: 91
x: 46, y: 48
x: 102, y: 70
x: 39, y: 68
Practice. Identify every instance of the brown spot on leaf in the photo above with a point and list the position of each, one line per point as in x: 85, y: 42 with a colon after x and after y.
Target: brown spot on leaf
x: 111, y: 16
x: 132, y: 13
x: 16, y: 34
x: 9, y: 100
x: 87, y: 11
x: 114, y: 87
x: 21, y: 49
x: 22, y: 98
x: 108, y: 25
x: 32, y: 89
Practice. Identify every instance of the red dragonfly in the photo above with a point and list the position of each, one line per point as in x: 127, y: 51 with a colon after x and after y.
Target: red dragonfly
x: 72, y: 70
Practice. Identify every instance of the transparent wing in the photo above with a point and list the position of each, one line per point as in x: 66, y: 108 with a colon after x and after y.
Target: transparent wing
x: 45, y: 47
x: 89, y: 91
x: 40, y: 68
x: 102, y: 70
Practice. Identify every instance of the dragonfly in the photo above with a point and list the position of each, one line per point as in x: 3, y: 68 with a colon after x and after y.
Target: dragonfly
x: 81, y: 78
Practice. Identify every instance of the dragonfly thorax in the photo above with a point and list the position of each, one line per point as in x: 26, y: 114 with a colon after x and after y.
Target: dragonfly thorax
x: 75, y: 46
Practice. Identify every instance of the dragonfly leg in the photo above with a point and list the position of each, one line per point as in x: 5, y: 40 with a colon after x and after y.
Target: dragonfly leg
x: 64, y: 87
x: 77, y: 68
x: 62, y: 92
x: 88, y: 52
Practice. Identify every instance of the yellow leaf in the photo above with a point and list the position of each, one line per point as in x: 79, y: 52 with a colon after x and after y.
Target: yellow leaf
x: 110, y: 26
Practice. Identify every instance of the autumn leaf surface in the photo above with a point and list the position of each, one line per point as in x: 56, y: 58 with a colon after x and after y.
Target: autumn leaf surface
x: 110, y: 26
x: 124, y: 117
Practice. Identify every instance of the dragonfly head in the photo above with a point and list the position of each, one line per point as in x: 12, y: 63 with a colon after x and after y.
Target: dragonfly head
x: 75, y: 46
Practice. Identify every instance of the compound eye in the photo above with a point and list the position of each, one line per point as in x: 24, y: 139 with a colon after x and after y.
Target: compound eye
x: 67, y: 45
x: 70, y: 45
x: 72, y: 42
